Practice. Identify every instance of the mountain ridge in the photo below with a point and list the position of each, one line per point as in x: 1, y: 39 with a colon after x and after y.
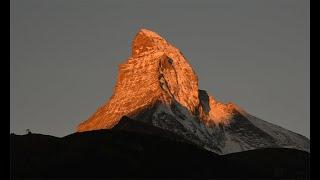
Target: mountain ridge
x: 157, y: 85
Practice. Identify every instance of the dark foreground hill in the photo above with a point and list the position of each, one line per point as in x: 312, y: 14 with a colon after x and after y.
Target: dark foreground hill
x: 136, y: 150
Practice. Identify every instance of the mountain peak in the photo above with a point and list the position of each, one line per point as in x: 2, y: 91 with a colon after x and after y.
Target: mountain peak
x: 155, y: 72
x: 157, y: 85
x: 147, y: 41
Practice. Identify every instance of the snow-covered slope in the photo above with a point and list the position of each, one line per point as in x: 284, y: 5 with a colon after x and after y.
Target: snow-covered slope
x: 244, y: 132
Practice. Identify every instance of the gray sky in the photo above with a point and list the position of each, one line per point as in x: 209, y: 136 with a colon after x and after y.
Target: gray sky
x: 64, y: 55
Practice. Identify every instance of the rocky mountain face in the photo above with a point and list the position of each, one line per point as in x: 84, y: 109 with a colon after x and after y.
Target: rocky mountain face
x: 157, y: 85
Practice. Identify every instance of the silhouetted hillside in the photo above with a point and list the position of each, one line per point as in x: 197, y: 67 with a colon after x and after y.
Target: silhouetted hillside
x: 131, y: 151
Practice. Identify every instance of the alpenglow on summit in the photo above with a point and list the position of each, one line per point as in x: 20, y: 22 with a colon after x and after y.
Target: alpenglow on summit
x: 157, y: 85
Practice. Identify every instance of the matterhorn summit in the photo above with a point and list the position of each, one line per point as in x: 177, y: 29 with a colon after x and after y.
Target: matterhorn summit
x: 157, y: 85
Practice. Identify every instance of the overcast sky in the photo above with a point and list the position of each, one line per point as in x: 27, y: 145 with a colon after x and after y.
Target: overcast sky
x: 64, y: 55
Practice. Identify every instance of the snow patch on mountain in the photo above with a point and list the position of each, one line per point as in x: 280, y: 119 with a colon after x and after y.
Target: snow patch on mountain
x: 245, y: 132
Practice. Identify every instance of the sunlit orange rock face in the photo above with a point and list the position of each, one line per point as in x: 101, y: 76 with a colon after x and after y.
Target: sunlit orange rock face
x: 156, y: 72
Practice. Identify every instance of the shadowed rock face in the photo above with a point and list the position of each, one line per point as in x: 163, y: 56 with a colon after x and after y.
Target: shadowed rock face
x: 158, y: 86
